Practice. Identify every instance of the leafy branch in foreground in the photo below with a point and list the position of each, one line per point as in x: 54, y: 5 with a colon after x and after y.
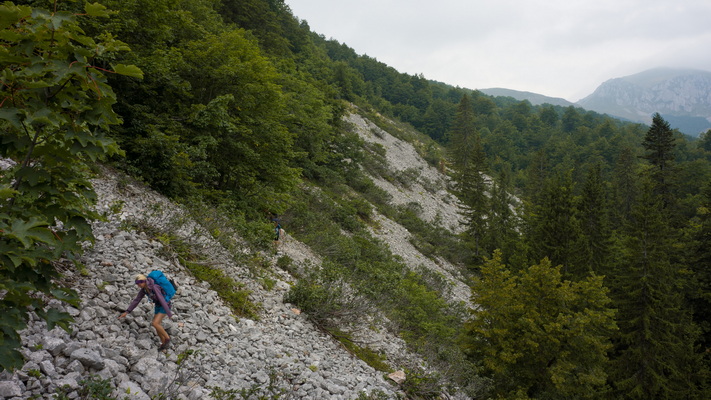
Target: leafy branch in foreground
x: 55, y: 112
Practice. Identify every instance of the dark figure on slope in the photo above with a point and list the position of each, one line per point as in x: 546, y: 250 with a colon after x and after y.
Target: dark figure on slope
x: 278, y: 234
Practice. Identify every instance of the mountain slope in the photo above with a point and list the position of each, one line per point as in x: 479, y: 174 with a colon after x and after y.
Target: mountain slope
x: 280, y: 352
x: 682, y: 96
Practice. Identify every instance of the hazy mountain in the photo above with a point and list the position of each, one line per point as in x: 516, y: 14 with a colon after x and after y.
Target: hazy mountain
x: 681, y: 96
x: 533, y: 98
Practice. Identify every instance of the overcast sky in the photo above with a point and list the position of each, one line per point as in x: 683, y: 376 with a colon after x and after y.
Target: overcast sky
x: 558, y: 48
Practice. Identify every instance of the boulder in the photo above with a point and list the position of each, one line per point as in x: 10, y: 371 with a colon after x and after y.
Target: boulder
x: 88, y: 358
x: 9, y: 389
x: 53, y: 345
x: 397, y: 376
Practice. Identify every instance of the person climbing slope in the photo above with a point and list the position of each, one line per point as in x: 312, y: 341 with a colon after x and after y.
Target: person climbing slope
x: 156, y: 294
x: 278, y: 234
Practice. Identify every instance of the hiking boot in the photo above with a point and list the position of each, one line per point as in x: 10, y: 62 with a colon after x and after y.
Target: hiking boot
x: 164, y: 346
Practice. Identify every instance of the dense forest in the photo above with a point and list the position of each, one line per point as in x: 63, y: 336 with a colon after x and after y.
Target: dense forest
x: 588, y: 239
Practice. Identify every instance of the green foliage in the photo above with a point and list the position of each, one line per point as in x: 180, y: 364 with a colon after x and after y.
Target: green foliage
x: 420, y: 385
x: 504, y: 221
x: 376, y: 360
x: 423, y: 315
x: 594, y: 221
x: 237, y: 117
x: 182, y: 378
x: 538, y: 334
x: 358, y: 267
x: 230, y: 291
x: 429, y: 240
x: 554, y: 229
x: 326, y: 298
x: 91, y: 388
x: 55, y: 114
x: 270, y: 391
x: 654, y: 352
x: 373, y: 395
x: 659, y: 144
x: 699, y: 255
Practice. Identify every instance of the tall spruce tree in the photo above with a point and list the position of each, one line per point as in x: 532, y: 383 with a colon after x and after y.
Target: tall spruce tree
x: 594, y: 220
x: 659, y: 144
x: 503, y: 224
x: 470, y: 166
x: 700, y: 264
x: 654, y: 355
x: 462, y: 137
x: 537, y: 173
x: 553, y: 229
x: 624, y: 187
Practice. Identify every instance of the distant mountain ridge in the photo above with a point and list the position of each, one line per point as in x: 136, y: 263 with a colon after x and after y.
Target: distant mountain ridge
x: 533, y: 98
x: 681, y: 96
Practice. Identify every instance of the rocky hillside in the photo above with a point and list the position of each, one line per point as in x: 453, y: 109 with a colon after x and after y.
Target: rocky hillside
x: 683, y: 97
x: 280, y: 354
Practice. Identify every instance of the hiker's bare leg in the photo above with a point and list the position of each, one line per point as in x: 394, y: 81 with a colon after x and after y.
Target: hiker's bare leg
x: 158, y: 325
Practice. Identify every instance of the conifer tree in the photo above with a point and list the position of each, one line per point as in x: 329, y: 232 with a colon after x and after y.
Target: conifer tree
x: 571, y: 119
x: 537, y: 172
x: 700, y: 264
x: 659, y: 143
x: 554, y: 228
x: 470, y: 166
x: 594, y: 220
x: 461, y: 138
x: 503, y: 224
x: 624, y: 187
x: 537, y: 335
x: 654, y: 357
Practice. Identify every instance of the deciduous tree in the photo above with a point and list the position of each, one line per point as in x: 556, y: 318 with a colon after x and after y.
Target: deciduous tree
x: 55, y: 113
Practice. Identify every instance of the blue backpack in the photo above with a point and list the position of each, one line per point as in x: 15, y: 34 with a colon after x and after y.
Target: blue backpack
x: 166, y: 284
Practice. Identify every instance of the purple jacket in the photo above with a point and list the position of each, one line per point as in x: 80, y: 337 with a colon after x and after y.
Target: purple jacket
x: 155, y: 293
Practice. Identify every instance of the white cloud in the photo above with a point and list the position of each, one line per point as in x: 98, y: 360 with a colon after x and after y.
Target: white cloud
x: 560, y: 48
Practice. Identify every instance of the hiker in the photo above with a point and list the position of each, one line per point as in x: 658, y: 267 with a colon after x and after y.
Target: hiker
x: 155, y: 293
x: 278, y: 234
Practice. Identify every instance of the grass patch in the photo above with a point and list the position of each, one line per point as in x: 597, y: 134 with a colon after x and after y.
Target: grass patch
x: 229, y: 290
x: 370, y: 357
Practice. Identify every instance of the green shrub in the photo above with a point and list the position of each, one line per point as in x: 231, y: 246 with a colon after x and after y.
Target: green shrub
x: 92, y: 388
x: 326, y: 298
x: 421, y: 385
x: 285, y: 262
x: 369, y: 190
x: 407, y: 176
x: 373, y: 395
x: 269, y: 391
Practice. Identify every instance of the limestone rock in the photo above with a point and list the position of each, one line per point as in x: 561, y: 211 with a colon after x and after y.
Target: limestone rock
x: 88, y: 358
